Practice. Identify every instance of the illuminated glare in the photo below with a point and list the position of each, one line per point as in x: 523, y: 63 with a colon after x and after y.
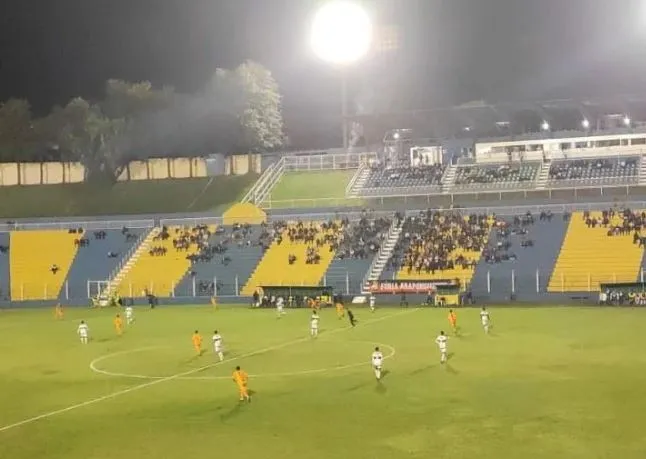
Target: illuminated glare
x: 341, y: 32
x: 545, y: 126
x: 627, y: 120
x: 585, y: 123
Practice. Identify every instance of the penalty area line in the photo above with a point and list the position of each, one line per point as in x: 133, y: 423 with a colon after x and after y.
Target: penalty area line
x: 181, y: 375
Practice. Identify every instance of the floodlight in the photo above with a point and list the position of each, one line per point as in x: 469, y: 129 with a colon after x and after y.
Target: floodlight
x: 545, y: 126
x: 396, y: 135
x: 585, y: 123
x: 627, y: 120
x: 341, y: 32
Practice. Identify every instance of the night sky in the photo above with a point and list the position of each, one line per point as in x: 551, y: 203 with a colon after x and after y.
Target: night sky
x: 451, y: 51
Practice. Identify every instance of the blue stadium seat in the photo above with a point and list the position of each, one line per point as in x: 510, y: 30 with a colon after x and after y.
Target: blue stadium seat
x: 408, y: 178
x: 594, y: 172
x: 236, y: 255
x: 92, y: 262
x: 496, y: 176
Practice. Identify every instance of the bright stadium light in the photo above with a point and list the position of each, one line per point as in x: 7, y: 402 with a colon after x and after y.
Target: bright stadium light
x: 585, y: 123
x: 545, y: 126
x: 341, y: 32
x: 627, y: 120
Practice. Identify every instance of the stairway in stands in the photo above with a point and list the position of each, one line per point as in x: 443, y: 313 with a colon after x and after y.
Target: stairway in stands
x: 32, y: 255
x: 642, y: 170
x: 385, y: 252
x: 357, y: 182
x: 543, y: 176
x: 158, y: 274
x: 590, y: 257
x: 448, y: 178
x: 142, y: 248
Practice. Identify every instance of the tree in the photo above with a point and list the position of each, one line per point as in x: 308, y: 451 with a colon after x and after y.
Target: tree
x: 249, y: 96
x: 17, y: 140
x: 90, y: 137
x: 128, y: 100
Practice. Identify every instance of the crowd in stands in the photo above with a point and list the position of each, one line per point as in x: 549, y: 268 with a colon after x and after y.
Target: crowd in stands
x: 182, y: 239
x: 619, y: 222
x: 499, y: 247
x: 315, y: 235
x: 592, y: 169
x: 362, y: 239
x: 431, y: 238
x: 511, y: 173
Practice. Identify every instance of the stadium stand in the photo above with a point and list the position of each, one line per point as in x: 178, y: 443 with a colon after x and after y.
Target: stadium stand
x: 97, y: 258
x: 599, y: 247
x: 594, y: 172
x: 440, y: 246
x: 519, y: 247
x: 164, y: 264
x: 233, y: 252
x: 299, y: 254
x: 40, y: 261
x: 496, y: 176
x: 4, y: 266
x: 357, y: 246
x: 381, y: 178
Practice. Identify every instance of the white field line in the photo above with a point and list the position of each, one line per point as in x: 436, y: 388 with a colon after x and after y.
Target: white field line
x: 94, y: 368
x: 180, y: 375
x: 201, y: 193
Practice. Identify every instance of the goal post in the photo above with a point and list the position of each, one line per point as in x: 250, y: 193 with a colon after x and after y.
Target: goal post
x: 96, y: 287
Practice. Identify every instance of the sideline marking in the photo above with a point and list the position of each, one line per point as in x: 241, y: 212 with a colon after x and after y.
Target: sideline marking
x: 211, y: 378
x: 183, y: 374
x: 200, y: 194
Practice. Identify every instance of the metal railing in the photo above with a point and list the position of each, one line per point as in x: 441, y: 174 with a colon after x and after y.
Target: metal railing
x: 497, y: 282
x: 87, y: 225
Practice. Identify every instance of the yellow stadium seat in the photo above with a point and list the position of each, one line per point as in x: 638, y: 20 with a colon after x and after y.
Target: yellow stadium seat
x: 589, y: 257
x: 32, y: 255
x: 274, y: 268
x: 158, y: 274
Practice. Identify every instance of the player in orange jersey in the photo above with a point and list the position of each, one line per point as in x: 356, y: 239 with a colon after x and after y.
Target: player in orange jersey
x: 118, y: 324
x: 241, y: 378
x: 197, y: 342
x: 340, y: 310
x: 453, y: 321
x: 58, y: 311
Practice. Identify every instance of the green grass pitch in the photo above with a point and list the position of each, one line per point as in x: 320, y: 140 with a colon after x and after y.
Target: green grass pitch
x: 302, y: 189
x: 547, y: 383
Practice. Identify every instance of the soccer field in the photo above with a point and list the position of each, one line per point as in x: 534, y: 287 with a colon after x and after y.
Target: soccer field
x: 547, y: 383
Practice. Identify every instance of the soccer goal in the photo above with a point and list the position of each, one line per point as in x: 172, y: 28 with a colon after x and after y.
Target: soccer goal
x: 96, y: 287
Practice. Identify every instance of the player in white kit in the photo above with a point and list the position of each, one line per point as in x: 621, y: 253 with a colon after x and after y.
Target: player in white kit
x: 280, y: 306
x: 217, y: 345
x: 377, y: 362
x: 441, y: 341
x: 314, y: 325
x: 83, y: 332
x: 130, y: 315
x: 484, y: 317
x: 372, y: 303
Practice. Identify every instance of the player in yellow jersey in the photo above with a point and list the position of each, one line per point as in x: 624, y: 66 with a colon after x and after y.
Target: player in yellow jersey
x: 58, y: 311
x: 197, y: 342
x: 241, y: 378
x: 453, y: 321
x: 118, y: 324
x: 340, y: 310
x: 214, y: 302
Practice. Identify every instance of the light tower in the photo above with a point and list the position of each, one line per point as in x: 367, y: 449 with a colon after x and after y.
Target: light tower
x: 341, y: 35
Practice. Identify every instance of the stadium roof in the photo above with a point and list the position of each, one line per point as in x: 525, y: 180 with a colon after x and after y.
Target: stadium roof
x: 512, y: 119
